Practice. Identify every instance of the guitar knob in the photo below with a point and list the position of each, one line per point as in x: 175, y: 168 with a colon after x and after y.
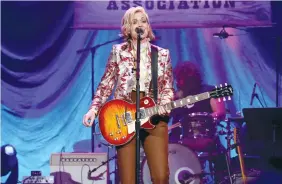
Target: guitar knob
x: 225, y: 84
x: 220, y: 85
x: 111, y: 134
x: 224, y: 99
x: 219, y: 100
x: 229, y: 98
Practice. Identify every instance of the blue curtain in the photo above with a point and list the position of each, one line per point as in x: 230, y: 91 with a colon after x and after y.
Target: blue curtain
x: 46, y: 84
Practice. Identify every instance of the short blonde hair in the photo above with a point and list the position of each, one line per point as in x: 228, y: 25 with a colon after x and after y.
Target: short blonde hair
x: 126, y: 23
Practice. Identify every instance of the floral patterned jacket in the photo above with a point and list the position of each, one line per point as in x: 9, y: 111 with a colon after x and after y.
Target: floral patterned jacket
x: 119, y: 71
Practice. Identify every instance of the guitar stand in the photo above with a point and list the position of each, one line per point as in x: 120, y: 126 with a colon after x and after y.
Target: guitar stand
x: 227, y: 159
x: 228, y: 150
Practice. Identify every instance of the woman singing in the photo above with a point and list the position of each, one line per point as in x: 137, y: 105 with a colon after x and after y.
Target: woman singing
x: 120, y: 74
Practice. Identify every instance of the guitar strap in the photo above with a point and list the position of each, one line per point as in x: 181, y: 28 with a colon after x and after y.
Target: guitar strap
x: 154, y: 68
x: 154, y: 84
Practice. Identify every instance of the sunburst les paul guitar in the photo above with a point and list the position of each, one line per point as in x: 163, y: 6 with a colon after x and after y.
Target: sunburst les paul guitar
x: 117, y: 117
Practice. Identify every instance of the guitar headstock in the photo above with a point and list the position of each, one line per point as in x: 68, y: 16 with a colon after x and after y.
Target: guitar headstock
x: 222, y: 92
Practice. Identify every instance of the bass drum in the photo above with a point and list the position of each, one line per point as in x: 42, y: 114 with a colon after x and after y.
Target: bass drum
x: 183, y: 163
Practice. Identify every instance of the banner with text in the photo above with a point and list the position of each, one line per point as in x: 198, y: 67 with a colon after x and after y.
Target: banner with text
x: 174, y: 14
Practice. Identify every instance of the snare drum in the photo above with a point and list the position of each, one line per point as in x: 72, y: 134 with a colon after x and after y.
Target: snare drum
x: 198, y: 131
x: 183, y: 163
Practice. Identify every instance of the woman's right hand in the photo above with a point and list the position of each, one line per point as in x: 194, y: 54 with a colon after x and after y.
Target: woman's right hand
x: 88, y: 118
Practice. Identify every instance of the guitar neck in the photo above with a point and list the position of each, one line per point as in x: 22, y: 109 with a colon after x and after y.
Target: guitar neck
x: 178, y: 103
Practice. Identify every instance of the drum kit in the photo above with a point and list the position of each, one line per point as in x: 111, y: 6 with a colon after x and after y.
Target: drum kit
x: 198, y: 156
x: 193, y: 151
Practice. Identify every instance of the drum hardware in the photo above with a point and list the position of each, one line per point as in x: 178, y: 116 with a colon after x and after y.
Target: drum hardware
x: 102, y: 164
x: 176, y: 125
x: 115, y: 172
x: 199, y: 134
x: 228, y: 149
x: 198, y: 131
x: 183, y: 163
x: 252, y: 176
x: 244, y: 176
x: 188, y: 178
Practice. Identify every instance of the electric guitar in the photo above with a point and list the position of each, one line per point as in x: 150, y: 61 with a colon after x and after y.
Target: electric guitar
x: 240, y: 155
x: 117, y: 117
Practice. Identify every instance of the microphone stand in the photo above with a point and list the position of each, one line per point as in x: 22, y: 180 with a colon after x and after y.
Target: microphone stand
x: 257, y: 97
x: 137, y: 116
x: 93, y: 51
x: 278, y: 67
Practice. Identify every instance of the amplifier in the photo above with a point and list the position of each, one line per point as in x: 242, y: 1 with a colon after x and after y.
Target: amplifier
x: 38, y: 180
x: 73, y: 168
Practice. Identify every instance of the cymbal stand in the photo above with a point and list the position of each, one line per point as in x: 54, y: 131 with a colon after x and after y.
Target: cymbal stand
x: 228, y: 149
x: 108, y: 160
x: 103, y: 163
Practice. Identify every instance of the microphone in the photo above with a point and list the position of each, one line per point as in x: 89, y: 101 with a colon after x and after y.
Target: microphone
x: 253, y: 93
x: 139, y: 30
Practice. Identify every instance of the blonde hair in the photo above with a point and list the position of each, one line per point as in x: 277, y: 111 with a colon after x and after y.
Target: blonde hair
x: 126, y: 23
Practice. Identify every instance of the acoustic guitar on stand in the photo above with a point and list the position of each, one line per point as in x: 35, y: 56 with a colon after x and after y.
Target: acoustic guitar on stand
x: 117, y: 117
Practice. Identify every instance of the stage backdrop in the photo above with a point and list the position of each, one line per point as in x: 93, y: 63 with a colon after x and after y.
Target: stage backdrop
x: 174, y: 14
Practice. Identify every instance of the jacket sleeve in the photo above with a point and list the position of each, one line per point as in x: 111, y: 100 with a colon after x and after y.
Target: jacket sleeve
x: 166, y: 81
x: 108, y: 81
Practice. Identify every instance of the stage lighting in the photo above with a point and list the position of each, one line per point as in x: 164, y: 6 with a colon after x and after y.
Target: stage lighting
x: 9, y: 164
x: 222, y: 34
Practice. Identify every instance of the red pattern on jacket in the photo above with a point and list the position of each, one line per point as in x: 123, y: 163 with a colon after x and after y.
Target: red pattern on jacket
x: 120, y: 63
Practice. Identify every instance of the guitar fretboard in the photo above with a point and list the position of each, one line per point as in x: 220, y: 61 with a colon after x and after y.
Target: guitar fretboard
x: 178, y: 103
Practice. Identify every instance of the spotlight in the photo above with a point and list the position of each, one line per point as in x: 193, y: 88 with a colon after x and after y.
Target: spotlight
x: 222, y: 34
x: 9, y: 164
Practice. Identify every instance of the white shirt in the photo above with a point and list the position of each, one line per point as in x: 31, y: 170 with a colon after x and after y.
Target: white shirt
x: 144, y: 57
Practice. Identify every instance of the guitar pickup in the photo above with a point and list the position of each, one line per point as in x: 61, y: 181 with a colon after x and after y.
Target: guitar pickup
x: 117, y: 119
x: 142, y: 113
x: 128, y: 117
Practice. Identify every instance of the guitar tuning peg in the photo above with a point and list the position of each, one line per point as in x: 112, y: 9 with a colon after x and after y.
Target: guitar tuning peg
x: 229, y: 98
x: 225, y: 84
x: 220, y: 85
x: 215, y: 87
x: 224, y: 99
x: 218, y: 100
